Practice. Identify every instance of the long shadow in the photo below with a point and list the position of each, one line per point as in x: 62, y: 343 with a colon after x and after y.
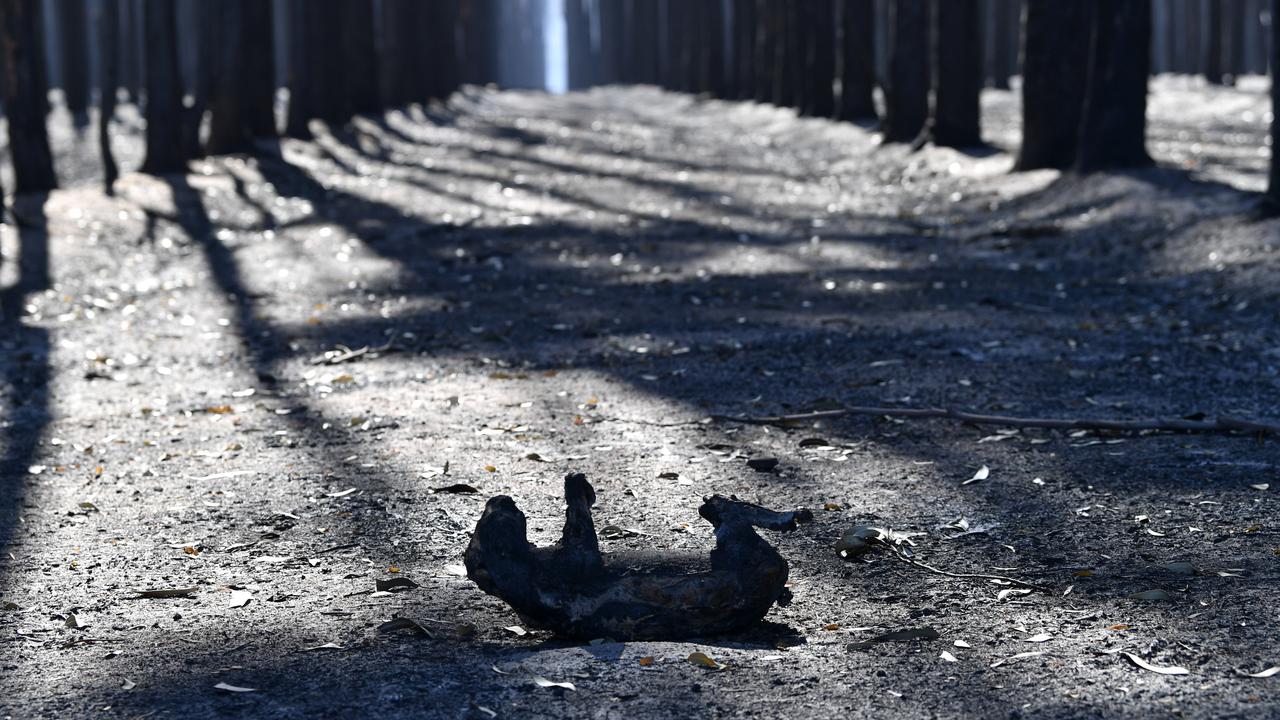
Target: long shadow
x: 24, y: 371
x: 685, y: 330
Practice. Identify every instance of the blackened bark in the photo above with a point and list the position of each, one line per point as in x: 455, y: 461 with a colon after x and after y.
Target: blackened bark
x: 1271, y: 200
x: 259, y: 69
x: 478, y: 19
x: 440, y: 53
x: 819, y: 21
x: 360, y: 71
x: 578, y: 44
x: 1114, y: 121
x: 957, y: 74
x: 109, y: 49
x: 127, y: 49
x: 199, y: 85
x: 73, y: 31
x: 315, y: 69
x: 644, y: 27
x: 907, y: 88
x: 857, y: 67
x: 166, y: 151
x: 1233, y: 62
x: 229, y: 130
x: 24, y: 91
x: 1004, y: 22
x: 767, y: 51
x: 743, y: 80
x: 1213, y: 72
x: 1054, y: 76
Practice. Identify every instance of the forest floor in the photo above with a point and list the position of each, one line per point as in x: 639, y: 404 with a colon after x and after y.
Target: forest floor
x: 244, y: 384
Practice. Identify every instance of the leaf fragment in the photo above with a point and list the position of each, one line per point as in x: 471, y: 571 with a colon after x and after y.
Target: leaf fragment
x: 545, y: 683
x: 703, y: 660
x: 1150, y: 596
x: 402, y: 623
x: 234, y: 688
x: 908, y: 635
x: 983, y: 473
x: 1163, y: 670
x: 239, y: 598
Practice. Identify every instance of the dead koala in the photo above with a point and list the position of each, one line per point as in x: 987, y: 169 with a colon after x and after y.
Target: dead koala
x: 575, y: 591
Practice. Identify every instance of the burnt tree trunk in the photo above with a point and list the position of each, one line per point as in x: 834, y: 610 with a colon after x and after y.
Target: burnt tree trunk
x: 743, y: 35
x: 1004, y: 22
x: 478, y: 20
x: 907, y: 88
x: 259, y: 69
x: 24, y: 90
x: 229, y: 130
x: 315, y: 68
x: 200, y: 25
x: 955, y: 119
x: 644, y: 27
x: 127, y: 50
x: 819, y: 19
x: 440, y: 54
x: 1114, y: 118
x: 1270, y: 204
x: 166, y: 151
x: 1213, y: 70
x: 73, y: 31
x: 109, y: 49
x: 858, y: 64
x: 1054, y: 74
x: 578, y: 44
x: 360, y: 69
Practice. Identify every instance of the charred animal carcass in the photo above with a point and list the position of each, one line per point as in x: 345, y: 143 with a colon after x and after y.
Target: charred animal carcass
x: 574, y: 590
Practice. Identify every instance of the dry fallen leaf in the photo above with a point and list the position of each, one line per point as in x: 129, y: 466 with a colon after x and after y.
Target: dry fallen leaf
x: 704, y: 660
x: 456, y: 569
x: 1150, y: 595
x: 234, y: 688
x: 1039, y: 638
x: 1264, y: 673
x: 1012, y: 592
x: 948, y: 657
x: 516, y: 630
x: 646, y: 661
x: 961, y: 644
x: 128, y: 684
x: 239, y: 598
x: 326, y: 646
x: 1170, y: 670
x: 545, y: 683
x: 983, y: 473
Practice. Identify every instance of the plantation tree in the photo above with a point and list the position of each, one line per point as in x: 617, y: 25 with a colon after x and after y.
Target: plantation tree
x: 74, y: 46
x: 1056, y: 42
x: 258, y: 68
x: 744, y: 55
x: 23, y: 88
x: 1271, y: 200
x: 907, y: 88
x: 166, y: 151
x: 109, y: 69
x: 229, y: 130
x: 818, y: 24
x: 954, y: 119
x: 857, y: 54
x: 316, y: 72
x: 361, y: 66
x: 1114, y: 117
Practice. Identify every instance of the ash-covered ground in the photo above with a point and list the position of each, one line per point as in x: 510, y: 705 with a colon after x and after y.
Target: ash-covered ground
x: 244, y: 385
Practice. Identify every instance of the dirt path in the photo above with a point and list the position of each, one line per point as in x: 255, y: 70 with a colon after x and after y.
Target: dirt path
x: 553, y: 284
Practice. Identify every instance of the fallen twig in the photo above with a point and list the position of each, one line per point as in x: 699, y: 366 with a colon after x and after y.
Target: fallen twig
x: 346, y: 354
x: 897, y: 553
x: 1221, y: 424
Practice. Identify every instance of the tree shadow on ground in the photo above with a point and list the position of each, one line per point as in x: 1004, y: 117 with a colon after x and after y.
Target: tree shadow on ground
x: 24, y: 368
x: 868, y: 322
